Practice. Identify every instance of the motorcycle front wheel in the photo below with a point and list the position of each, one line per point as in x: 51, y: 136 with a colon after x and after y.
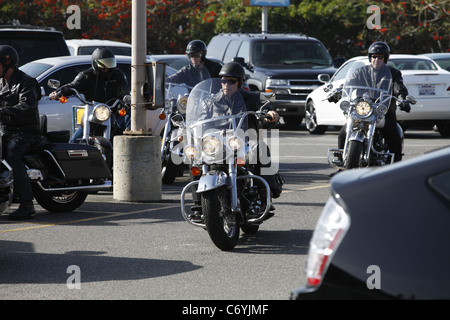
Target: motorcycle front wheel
x: 63, y: 202
x: 354, y: 154
x: 221, y: 223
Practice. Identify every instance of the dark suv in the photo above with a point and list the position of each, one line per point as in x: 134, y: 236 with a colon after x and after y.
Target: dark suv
x: 34, y: 43
x: 286, y: 64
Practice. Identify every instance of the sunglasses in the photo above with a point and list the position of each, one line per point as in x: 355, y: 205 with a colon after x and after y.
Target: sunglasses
x: 378, y: 57
x: 228, y: 81
x: 195, y: 55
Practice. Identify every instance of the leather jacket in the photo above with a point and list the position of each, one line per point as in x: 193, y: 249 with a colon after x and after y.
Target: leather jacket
x: 98, y: 86
x: 19, y: 104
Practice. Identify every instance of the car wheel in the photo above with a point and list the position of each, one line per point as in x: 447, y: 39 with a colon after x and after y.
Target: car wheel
x: 311, y: 120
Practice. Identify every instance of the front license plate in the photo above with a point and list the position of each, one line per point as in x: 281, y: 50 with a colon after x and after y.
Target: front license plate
x: 426, y: 90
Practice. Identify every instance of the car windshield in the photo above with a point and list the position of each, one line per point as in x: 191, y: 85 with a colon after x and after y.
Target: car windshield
x: 412, y: 64
x: 34, y: 69
x: 278, y: 53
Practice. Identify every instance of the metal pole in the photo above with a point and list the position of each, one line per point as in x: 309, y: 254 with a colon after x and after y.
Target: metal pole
x: 264, y: 22
x: 138, y: 59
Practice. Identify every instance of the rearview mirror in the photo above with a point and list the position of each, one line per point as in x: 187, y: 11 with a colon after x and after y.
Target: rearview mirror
x: 54, y: 84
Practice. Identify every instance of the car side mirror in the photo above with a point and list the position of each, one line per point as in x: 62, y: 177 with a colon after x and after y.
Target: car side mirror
x: 54, y: 84
x: 324, y: 78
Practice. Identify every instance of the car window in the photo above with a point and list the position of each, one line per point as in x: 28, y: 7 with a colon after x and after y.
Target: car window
x: 412, y: 64
x: 216, y: 47
x: 35, y: 69
x: 64, y: 76
x: 231, y: 50
x: 287, y: 53
x: 244, y: 51
x: 32, y: 47
x: 340, y: 74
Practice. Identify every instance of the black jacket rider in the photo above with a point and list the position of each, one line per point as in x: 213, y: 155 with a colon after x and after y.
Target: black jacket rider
x: 100, y: 88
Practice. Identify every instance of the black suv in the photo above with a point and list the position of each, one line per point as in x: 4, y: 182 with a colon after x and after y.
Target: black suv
x: 33, y: 42
x: 286, y: 64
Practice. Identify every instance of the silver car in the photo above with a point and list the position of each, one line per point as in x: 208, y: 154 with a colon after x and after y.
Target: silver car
x: 65, y: 69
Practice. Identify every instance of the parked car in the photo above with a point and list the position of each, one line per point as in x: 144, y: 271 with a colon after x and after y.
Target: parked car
x: 79, y: 47
x: 286, y: 64
x: 176, y: 61
x: 383, y: 234
x: 442, y: 59
x: 425, y: 80
x: 65, y: 69
x: 33, y: 43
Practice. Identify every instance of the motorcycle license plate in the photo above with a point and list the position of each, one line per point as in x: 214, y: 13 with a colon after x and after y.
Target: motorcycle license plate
x: 80, y: 113
x: 426, y: 90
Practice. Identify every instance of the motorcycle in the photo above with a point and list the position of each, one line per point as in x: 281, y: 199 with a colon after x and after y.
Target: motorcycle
x: 222, y: 155
x: 174, y: 112
x: 99, y: 121
x: 61, y: 174
x: 365, y: 101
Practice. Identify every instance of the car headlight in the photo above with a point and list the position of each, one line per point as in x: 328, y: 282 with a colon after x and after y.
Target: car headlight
x: 235, y: 143
x: 211, y: 145
x: 190, y: 152
x: 182, y: 104
x: 363, y: 108
x: 329, y: 232
x: 102, y: 112
x: 276, y: 82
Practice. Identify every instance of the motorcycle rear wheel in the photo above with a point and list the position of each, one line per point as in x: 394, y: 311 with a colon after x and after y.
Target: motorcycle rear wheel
x: 221, y: 223
x: 64, y: 202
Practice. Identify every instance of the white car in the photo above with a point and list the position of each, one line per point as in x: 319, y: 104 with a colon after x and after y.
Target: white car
x: 425, y: 80
x: 78, y: 47
x: 65, y: 69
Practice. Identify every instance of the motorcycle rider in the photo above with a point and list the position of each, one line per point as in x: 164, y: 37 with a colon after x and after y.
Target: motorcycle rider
x: 103, y: 83
x: 19, y: 125
x: 232, y: 77
x: 199, y: 69
x: 378, y: 56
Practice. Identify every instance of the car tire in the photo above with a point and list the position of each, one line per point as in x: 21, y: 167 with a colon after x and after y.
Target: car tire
x: 311, y: 120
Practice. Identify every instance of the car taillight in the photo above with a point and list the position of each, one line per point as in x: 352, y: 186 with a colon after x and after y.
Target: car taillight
x: 330, y: 229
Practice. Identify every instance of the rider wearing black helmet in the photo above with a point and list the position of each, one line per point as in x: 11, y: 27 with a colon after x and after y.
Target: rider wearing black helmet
x: 19, y: 125
x: 378, y: 54
x: 103, y: 82
x: 199, y: 69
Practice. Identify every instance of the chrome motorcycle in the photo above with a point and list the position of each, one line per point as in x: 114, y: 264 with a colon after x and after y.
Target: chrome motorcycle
x: 222, y: 153
x: 174, y: 112
x: 364, y: 99
x: 99, y: 121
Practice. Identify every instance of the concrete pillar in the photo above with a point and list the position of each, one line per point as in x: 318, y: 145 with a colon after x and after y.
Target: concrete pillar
x: 137, y: 168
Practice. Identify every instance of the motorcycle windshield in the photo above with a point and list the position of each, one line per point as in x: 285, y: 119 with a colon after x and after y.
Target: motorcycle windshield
x: 209, y: 108
x: 364, y: 81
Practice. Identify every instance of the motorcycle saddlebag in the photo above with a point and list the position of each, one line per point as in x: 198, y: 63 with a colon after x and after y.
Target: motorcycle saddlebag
x: 79, y: 161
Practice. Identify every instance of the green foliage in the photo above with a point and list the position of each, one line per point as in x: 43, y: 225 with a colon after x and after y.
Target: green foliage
x: 413, y: 26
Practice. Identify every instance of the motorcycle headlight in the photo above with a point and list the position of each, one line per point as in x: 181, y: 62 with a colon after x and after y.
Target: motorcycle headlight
x: 363, y: 108
x: 210, y: 145
x: 345, y: 105
x: 102, y: 112
x: 190, y: 152
x: 182, y: 104
x: 235, y: 143
x: 382, y: 110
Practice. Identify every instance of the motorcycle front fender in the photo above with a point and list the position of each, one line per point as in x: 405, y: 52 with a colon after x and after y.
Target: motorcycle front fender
x: 357, y: 135
x: 212, y: 180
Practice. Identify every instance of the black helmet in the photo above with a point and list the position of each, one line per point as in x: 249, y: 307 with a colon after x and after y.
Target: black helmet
x: 103, y: 58
x: 380, y: 47
x: 232, y: 69
x: 9, y: 57
x: 196, y: 46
